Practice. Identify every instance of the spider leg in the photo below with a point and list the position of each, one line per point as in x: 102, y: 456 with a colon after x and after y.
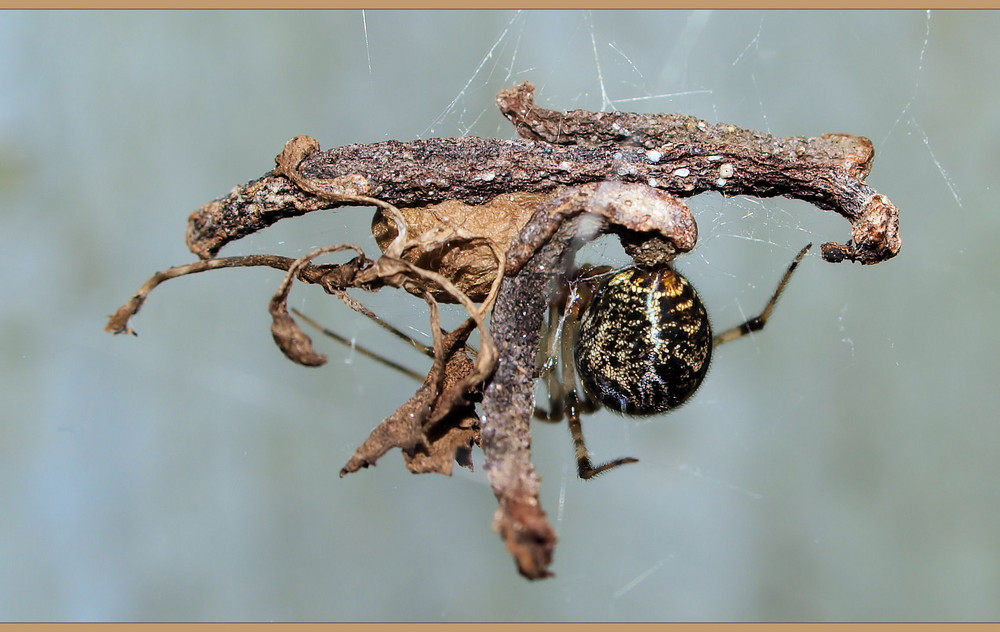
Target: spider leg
x: 757, y: 322
x: 361, y: 309
x: 368, y: 352
x: 548, y: 361
x: 575, y: 405
x: 584, y: 468
x: 354, y: 304
x: 554, y: 414
x: 555, y: 364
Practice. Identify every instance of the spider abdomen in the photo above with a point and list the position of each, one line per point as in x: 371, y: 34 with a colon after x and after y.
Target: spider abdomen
x: 644, y: 342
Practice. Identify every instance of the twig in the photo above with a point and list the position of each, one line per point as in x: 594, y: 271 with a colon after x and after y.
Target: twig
x: 687, y: 157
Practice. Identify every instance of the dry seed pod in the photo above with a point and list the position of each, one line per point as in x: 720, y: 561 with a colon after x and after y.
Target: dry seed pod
x: 471, y: 267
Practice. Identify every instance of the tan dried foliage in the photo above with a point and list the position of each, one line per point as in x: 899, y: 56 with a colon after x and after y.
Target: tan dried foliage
x: 471, y: 266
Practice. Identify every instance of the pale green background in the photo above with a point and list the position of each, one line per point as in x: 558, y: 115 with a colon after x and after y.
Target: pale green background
x: 842, y: 465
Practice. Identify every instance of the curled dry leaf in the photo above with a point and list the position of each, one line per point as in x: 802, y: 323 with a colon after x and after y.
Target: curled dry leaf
x: 472, y: 267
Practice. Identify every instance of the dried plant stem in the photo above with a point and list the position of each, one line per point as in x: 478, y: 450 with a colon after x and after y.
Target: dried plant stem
x: 625, y: 171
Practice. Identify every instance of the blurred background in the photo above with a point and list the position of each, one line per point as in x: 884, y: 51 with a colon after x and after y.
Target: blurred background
x: 841, y: 465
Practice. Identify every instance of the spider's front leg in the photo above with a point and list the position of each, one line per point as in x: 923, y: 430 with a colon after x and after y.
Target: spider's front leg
x: 559, y: 341
x: 757, y: 322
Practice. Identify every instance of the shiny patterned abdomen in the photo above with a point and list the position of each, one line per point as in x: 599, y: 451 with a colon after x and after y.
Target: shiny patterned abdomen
x: 644, y: 342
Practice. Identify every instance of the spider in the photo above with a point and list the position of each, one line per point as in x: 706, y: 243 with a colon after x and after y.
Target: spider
x: 638, y: 339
